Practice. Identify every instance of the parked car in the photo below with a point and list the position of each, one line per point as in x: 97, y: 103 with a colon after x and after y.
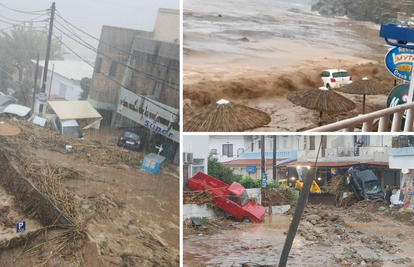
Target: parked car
x: 364, y: 183
x: 67, y: 127
x: 6, y: 100
x: 232, y: 199
x: 335, y: 78
x: 17, y: 111
x: 130, y: 141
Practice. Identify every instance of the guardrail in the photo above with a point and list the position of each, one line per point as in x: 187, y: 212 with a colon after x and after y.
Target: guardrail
x: 367, y: 121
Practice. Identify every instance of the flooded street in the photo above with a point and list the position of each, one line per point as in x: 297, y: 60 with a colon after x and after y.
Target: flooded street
x: 262, y: 244
x: 256, y: 53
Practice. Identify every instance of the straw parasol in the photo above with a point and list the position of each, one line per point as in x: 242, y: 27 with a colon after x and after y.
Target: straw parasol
x: 321, y: 100
x: 363, y: 87
x: 224, y: 116
x: 8, y: 129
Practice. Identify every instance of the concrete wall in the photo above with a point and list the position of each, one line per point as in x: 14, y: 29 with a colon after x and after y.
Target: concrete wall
x: 167, y: 25
x: 198, y: 211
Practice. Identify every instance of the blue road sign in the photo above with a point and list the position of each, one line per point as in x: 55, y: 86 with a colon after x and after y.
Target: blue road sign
x: 264, y: 180
x: 250, y: 169
x: 20, y: 227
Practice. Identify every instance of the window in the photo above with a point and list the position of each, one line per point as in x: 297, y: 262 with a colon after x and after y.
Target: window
x: 340, y: 74
x: 259, y: 144
x: 284, y: 142
x: 228, y: 150
x: 311, y: 142
x: 234, y: 198
x: 198, y: 165
x: 325, y: 74
x: 252, y: 147
x: 213, y: 152
x: 112, y: 70
x: 98, y: 65
x: 392, y: 178
x: 240, y: 151
x: 365, y: 139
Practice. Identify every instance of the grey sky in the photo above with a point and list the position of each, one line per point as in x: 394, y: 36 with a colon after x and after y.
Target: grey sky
x: 91, y: 15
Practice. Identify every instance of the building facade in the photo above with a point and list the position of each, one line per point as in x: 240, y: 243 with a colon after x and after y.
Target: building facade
x: 136, y: 81
x: 195, y: 155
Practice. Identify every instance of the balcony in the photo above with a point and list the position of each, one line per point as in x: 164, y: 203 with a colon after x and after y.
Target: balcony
x: 373, y: 153
x: 404, y: 151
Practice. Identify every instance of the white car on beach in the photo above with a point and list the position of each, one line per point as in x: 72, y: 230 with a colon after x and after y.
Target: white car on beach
x: 335, y: 78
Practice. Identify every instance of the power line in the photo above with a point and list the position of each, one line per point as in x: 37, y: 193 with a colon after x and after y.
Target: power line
x: 113, y: 79
x: 35, y: 12
x: 21, y: 20
x: 128, y: 53
x: 161, y: 81
x: 21, y: 23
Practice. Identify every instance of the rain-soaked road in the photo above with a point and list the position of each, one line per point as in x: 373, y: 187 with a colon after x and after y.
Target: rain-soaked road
x: 262, y: 244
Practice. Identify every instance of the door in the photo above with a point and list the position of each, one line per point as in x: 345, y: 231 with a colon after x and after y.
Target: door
x: 231, y: 205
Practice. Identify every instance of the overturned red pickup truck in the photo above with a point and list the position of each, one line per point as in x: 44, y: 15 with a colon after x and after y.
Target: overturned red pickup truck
x: 232, y: 199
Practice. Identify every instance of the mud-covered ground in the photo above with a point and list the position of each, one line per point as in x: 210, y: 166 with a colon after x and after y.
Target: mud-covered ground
x: 130, y: 216
x: 257, y: 54
x: 327, y: 236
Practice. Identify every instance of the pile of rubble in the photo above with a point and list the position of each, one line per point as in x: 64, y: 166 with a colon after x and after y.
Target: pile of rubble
x: 325, y: 225
x: 280, y: 196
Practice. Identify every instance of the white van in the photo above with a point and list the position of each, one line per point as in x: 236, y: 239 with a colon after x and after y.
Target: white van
x: 67, y: 127
x: 19, y: 111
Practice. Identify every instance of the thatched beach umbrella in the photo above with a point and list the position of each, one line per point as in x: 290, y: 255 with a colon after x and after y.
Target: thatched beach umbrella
x: 224, y: 116
x: 322, y: 100
x: 363, y: 87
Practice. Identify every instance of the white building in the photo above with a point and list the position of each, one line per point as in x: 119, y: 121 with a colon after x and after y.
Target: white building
x: 195, y: 155
x: 167, y: 25
x: 66, y: 78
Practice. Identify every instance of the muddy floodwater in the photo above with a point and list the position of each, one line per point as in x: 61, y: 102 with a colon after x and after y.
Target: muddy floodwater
x: 262, y: 244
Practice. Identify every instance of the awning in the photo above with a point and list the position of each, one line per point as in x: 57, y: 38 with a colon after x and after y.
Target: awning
x: 331, y: 164
x: 73, y: 110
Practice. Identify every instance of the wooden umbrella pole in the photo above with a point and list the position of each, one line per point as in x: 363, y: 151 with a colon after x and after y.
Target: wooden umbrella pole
x: 320, y: 117
x: 363, y: 104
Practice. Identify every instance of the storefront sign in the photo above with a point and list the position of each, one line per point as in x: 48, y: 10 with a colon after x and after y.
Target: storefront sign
x: 158, y: 129
x: 250, y: 169
x: 399, y: 62
x: 398, y: 96
x: 334, y: 171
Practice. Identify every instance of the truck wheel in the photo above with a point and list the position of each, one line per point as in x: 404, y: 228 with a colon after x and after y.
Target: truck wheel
x: 328, y: 86
x: 246, y: 220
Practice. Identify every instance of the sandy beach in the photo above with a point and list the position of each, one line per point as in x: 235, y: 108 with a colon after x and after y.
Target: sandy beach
x: 256, y: 53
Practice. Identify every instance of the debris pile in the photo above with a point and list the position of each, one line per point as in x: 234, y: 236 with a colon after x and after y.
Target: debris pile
x: 281, y: 195
x: 338, y: 186
x: 197, y: 197
x: 92, y: 150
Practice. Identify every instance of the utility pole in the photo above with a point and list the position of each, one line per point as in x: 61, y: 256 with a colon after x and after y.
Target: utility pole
x: 300, y: 207
x: 49, y: 44
x: 274, y: 158
x: 35, y: 82
x: 263, y: 169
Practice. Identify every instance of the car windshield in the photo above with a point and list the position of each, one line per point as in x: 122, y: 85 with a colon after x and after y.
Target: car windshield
x: 131, y: 136
x: 372, y: 187
x: 340, y: 74
x: 244, y: 198
x: 72, y: 130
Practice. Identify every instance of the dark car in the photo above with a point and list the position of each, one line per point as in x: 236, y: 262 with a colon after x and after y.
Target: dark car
x: 364, y: 183
x: 130, y: 141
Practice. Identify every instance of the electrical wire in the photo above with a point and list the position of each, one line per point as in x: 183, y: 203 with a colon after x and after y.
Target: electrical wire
x: 35, y: 12
x: 128, y: 53
x: 87, y: 62
x: 161, y: 81
x: 21, y: 23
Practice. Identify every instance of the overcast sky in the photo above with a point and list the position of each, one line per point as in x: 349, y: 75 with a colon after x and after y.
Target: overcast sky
x: 90, y: 16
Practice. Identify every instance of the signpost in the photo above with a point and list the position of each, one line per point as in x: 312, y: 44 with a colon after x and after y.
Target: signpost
x: 20, y: 227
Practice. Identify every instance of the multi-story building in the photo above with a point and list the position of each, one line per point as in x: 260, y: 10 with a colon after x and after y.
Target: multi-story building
x: 136, y: 80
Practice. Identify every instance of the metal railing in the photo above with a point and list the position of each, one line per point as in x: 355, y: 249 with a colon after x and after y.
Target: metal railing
x: 367, y: 121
